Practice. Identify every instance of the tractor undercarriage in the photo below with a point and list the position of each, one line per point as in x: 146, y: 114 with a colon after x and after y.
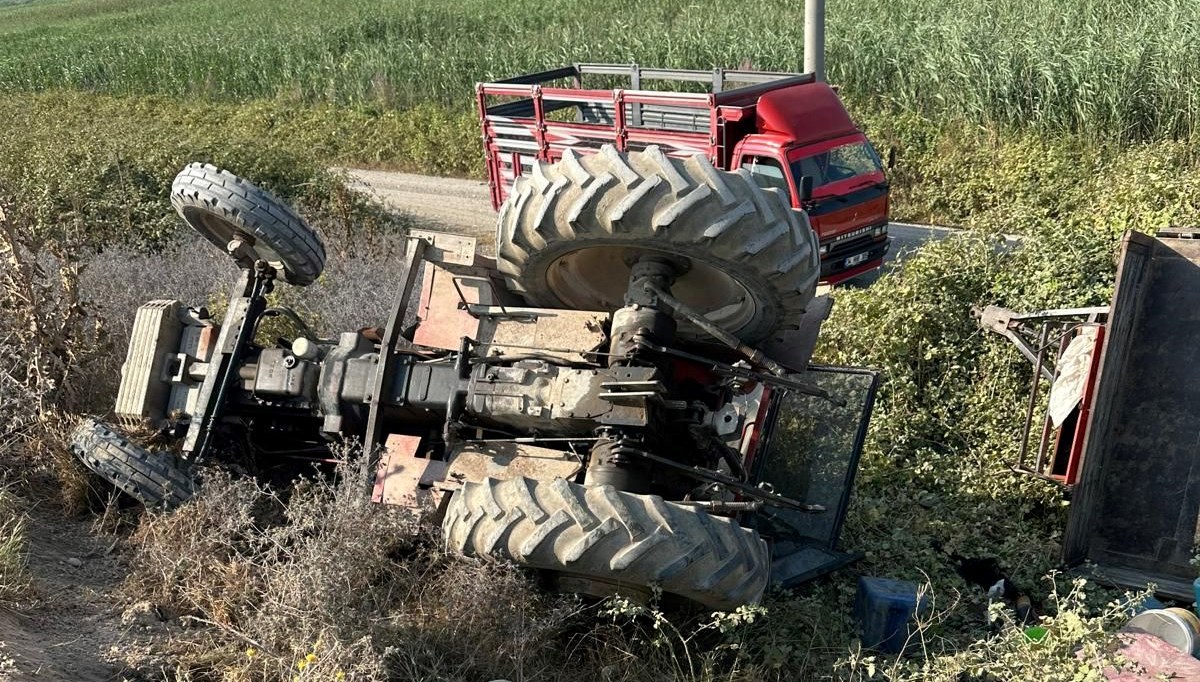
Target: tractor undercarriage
x: 615, y: 450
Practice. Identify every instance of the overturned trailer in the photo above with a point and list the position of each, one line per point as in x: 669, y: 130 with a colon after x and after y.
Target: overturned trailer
x: 1121, y: 428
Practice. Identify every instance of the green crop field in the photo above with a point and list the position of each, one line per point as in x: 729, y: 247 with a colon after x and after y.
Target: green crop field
x: 1122, y: 69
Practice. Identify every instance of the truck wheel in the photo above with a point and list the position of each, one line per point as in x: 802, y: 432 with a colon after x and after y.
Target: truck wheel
x: 153, y: 478
x: 609, y: 539
x: 568, y: 233
x: 221, y: 206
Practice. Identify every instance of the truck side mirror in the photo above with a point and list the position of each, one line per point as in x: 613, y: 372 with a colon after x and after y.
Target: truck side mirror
x: 806, y: 189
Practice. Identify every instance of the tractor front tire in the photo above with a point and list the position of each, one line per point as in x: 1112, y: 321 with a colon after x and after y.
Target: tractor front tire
x: 569, y: 232
x: 610, y: 539
x: 223, y: 207
x: 156, y: 479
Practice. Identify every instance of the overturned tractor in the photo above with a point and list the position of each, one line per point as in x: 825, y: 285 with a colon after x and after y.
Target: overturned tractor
x: 601, y: 402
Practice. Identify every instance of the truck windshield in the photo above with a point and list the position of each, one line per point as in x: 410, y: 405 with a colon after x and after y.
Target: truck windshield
x: 840, y: 163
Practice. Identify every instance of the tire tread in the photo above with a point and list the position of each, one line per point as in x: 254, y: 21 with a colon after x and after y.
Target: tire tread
x: 254, y: 211
x: 622, y: 537
x: 153, y: 478
x: 681, y: 206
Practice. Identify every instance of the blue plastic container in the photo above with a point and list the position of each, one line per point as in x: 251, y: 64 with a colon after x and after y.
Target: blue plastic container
x: 1196, y: 591
x: 884, y: 609
x: 1150, y: 604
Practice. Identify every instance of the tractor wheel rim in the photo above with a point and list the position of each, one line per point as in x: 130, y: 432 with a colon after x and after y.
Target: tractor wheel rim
x: 221, y: 232
x: 597, y: 277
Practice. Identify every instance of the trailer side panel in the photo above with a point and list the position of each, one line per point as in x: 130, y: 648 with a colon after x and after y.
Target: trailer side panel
x: 1136, y: 507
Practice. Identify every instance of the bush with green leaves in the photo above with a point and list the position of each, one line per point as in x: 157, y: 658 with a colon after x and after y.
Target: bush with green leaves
x: 1007, y: 180
x: 945, y: 429
x: 97, y: 171
x: 935, y: 482
x: 1078, y: 643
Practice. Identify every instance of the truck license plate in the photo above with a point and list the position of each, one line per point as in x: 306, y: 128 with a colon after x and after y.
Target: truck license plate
x: 858, y: 259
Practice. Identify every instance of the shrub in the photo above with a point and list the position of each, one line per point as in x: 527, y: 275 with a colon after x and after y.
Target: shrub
x: 311, y: 583
x: 943, y: 429
x: 45, y: 336
x: 1077, y: 643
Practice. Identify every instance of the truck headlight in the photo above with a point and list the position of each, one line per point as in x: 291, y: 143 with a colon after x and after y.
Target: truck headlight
x: 879, y: 231
x: 824, y: 249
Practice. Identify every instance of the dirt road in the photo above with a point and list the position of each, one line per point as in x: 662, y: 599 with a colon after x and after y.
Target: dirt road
x: 463, y: 206
x: 452, y: 204
x: 70, y: 625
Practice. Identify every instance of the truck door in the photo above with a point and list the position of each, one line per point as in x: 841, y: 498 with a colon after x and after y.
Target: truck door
x: 769, y: 173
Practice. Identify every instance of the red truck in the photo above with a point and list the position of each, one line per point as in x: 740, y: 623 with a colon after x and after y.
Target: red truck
x: 789, y: 130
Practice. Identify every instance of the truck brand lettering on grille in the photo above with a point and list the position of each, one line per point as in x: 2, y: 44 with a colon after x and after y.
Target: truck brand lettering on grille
x: 855, y: 233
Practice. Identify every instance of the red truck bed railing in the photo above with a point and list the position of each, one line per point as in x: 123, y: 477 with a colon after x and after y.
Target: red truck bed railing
x: 526, y: 120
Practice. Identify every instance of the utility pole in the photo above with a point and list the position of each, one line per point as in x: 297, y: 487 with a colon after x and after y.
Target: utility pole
x: 814, y: 38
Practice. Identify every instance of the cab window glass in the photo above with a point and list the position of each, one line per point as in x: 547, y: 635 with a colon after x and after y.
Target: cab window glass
x: 767, y: 173
x: 840, y: 163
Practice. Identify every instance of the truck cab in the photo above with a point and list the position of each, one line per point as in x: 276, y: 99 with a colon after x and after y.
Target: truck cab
x: 807, y: 147
x: 789, y: 130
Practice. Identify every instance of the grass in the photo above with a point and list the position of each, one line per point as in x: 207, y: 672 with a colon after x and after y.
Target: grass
x: 14, y: 577
x: 1002, y: 115
x: 98, y: 169
x: 1117, y: 70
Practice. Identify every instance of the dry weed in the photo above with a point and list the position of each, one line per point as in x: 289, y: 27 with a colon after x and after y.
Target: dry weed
x: 39, y: 294
x: 45, y: 337
x: 286, y: 583
x: 14, y: 578
x: 313, y: 583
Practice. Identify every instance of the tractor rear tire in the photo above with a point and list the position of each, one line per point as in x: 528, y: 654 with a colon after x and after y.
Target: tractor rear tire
x: 223, y: 207
x: 568, y: 233
x: 610, y: 539
x: 156, y: 479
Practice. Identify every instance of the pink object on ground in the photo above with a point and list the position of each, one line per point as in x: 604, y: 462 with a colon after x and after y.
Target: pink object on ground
x: 1152, y: 659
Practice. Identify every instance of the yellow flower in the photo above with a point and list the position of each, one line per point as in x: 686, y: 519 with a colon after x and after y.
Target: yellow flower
x: 311, y: 658
x: 339, y: 675
x: 302, y: 664
x: 251, y: 652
